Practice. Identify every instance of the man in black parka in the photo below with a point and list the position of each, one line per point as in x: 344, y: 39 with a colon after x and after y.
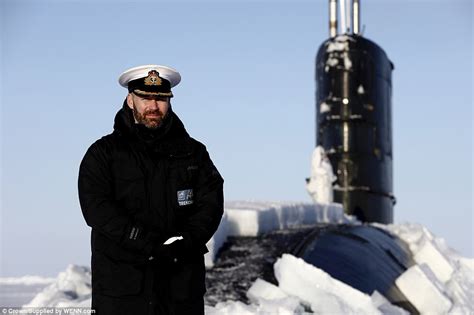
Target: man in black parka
x: 153, y: 199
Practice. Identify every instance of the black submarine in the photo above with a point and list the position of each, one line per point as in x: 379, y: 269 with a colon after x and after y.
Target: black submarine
x: 354, y: 118
x: 353, y: 78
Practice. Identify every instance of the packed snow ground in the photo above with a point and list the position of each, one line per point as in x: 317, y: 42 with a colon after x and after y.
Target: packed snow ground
x: 441, y: 276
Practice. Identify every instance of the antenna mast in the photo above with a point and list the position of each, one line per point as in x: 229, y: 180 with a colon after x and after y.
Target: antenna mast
x: 349, y: 22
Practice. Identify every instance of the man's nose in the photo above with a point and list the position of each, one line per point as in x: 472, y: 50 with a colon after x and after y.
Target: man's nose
x: 153, y: 104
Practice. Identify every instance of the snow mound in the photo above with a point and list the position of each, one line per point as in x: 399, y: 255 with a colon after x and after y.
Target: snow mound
x: 72, y: 288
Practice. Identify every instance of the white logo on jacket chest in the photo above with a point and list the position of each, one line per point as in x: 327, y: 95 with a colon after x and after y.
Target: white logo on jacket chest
x: 185, y: 197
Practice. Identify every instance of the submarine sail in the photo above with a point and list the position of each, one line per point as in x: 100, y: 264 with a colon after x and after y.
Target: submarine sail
x: 354, y: 119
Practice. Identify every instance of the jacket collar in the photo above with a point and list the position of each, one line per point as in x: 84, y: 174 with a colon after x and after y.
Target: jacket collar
x: 170, y: 139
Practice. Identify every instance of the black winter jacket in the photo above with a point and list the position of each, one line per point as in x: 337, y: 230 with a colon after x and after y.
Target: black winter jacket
x: 137, y: 188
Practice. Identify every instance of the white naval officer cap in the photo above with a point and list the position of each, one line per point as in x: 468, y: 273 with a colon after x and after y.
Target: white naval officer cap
x: 150, y: 80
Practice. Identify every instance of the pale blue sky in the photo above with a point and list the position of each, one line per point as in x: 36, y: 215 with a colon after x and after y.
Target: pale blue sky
x: 247, y: 93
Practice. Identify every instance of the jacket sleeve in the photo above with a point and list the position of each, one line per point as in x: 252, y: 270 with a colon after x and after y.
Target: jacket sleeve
x: 100, y: 210
x: 209, y: 199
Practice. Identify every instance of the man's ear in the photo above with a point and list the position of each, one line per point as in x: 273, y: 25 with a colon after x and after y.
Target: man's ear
x: 130, y: 100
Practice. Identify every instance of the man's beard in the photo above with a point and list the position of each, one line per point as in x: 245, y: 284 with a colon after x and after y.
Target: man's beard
x: 149, y: 122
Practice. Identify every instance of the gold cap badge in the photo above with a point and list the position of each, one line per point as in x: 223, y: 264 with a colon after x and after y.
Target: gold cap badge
x: 153, y: 78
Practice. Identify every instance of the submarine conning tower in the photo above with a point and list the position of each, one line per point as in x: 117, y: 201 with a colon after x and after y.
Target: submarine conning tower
x: 354, y: 118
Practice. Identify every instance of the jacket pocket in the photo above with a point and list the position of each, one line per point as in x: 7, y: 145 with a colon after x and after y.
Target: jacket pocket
x: 116, y: 278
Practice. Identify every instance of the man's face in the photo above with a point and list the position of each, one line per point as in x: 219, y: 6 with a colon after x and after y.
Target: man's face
x: 149, y: 111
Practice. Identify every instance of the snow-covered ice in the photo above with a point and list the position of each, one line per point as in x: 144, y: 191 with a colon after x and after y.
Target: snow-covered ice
x: 420, y: 287
x: 26, y: 280
x: 263, y: 292
x: 237, y: 308
x: 72, y: 288
x: 270, y: 299
x: 448, y: 271
x: 322, y: 177
x: 446, y: 280
x: 456, y: 272
x: 15, y: 291
x: 426, y: 249
x: 385, y: 306
x: 319, y: 290
x: 428, y: 254
x: 251, y: 218
x: 322, y: 294
x: 273, y: 299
